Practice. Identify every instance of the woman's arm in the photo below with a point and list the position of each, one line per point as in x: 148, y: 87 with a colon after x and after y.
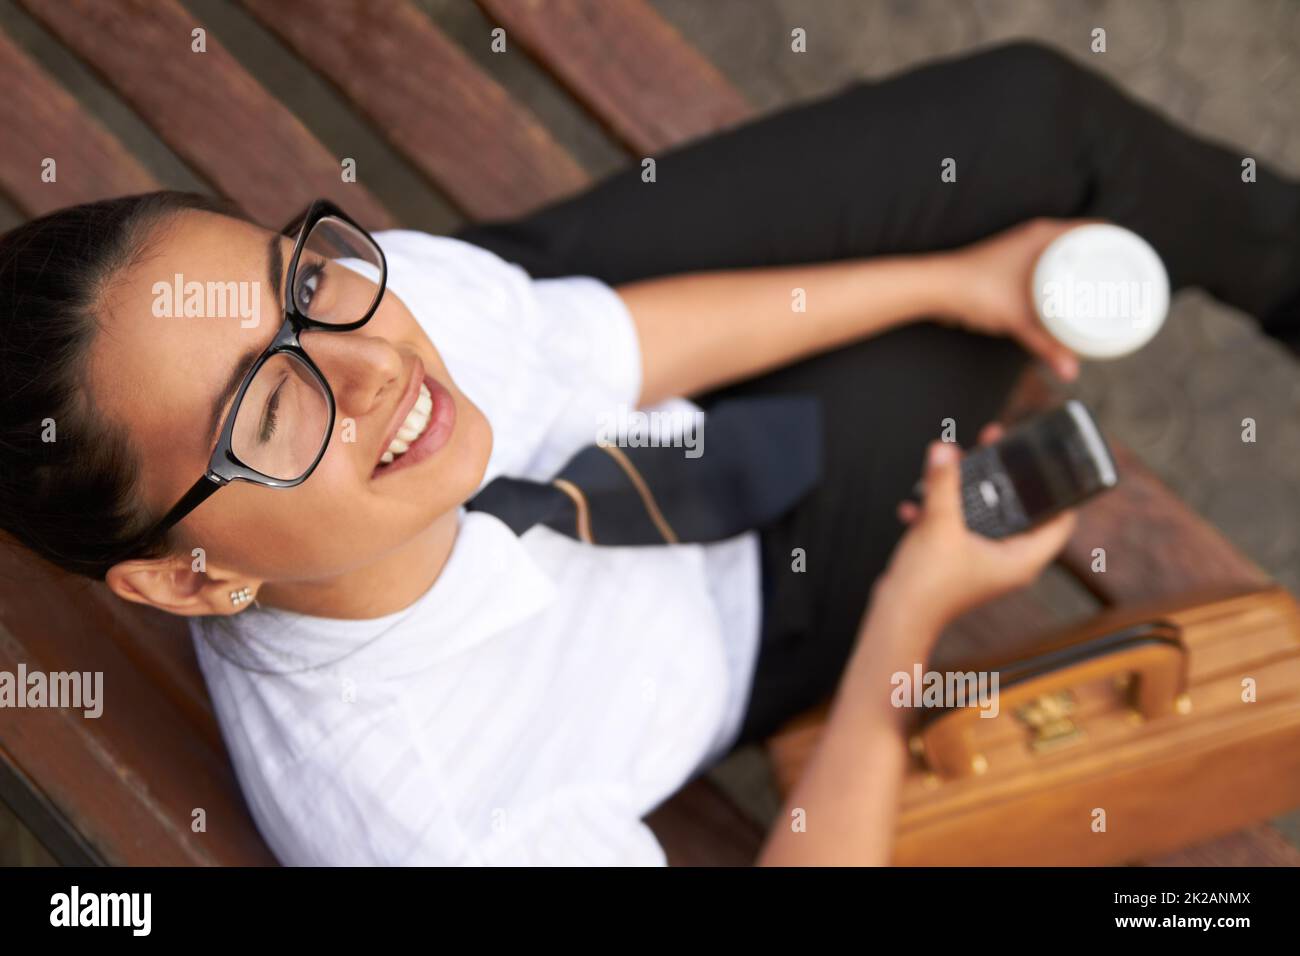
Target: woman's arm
x: 848, y: 793
x: 702, y: 330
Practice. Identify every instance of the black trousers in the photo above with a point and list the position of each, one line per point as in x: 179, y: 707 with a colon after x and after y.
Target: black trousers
x: 857, y: 174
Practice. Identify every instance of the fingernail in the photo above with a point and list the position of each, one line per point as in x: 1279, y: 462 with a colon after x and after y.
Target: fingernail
x: 941, y: 453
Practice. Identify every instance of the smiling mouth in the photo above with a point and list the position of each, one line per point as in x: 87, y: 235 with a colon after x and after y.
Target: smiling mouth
x: 417, y: 420
x: 425, y: 429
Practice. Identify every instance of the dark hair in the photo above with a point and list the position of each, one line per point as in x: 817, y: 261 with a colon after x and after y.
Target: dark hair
x: 71, y: 500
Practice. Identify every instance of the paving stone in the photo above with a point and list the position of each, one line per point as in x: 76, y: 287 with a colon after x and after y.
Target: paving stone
x: 1252, y: 506
x: 1138, y: 34
x: 1236, y: 47
x: 1063, y: 24
x: 1167, y: 87
x: 1247, y: 120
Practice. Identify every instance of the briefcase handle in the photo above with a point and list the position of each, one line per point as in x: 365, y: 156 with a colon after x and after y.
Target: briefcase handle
x: 1151, y: 654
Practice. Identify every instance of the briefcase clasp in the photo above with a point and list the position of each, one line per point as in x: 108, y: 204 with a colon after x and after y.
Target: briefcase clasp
x: 1049, y: 718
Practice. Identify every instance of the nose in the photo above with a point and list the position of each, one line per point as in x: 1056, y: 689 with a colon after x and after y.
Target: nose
x: 360, y: 369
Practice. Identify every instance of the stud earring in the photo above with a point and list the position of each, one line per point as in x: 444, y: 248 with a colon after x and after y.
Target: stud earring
x: 241, y: 597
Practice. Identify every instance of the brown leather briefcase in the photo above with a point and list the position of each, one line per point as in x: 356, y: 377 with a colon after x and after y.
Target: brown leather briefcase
x: 1141, y: 732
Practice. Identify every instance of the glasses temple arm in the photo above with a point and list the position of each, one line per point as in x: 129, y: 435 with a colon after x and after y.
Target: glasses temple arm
x: 199, y: 492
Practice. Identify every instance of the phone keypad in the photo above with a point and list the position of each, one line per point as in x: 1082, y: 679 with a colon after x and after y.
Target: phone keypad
x: 989, y: 501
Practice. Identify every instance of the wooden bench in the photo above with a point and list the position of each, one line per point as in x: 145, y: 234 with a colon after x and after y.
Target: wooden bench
x: 123, y: 789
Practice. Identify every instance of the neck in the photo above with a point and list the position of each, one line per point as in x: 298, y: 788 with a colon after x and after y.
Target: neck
x: 383, y: 587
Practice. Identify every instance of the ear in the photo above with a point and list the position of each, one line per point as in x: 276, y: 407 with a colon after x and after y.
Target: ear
x: 172, y: 585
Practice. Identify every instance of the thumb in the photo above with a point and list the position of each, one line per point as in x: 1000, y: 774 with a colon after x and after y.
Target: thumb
x: 943, y: 480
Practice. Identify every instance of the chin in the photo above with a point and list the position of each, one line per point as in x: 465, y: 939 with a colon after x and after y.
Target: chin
x: 470, y: 448
x: 458, y: 469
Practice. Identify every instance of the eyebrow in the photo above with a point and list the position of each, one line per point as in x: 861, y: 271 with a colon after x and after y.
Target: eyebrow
x: 274, y: 266
x: 228, y: 390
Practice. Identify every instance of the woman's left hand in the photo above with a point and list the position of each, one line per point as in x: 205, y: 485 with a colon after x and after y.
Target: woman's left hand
x: 993, y: 286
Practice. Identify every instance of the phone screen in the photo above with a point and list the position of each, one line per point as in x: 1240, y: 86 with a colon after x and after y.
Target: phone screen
x: 1053, y: 462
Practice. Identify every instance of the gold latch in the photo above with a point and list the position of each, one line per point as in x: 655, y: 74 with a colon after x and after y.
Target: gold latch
x: 1049, y: 719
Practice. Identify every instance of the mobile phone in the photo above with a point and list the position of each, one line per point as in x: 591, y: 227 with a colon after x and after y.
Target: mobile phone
x: 1040, y: 467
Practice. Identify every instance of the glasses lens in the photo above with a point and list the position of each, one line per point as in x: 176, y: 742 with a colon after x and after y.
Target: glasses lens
x: 339, y: 273
x: 283, y: 421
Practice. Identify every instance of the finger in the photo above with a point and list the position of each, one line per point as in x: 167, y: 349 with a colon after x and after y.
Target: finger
x: 1041, y: 544
x: 1052, y: 227
x: 991, y: 433
x: 1039, y: 342
x: 908, y: 511
x: 1065, y: 364
x: 943, y: 480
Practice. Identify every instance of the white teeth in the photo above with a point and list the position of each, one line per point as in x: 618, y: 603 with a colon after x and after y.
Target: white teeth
x: 417, y: 420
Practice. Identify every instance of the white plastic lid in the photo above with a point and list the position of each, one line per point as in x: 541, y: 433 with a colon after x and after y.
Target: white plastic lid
x: 1101, y: 290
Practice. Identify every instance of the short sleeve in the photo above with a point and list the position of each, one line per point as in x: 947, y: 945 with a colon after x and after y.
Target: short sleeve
x: 590, y: 325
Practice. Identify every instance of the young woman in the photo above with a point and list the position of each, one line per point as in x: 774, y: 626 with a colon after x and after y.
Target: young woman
x: 401, y: 679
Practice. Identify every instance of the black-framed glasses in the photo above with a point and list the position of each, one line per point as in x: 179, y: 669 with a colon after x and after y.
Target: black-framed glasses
x: 282, y: 417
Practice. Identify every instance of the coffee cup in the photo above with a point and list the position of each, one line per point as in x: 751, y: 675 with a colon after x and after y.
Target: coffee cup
x: 1101, y: 290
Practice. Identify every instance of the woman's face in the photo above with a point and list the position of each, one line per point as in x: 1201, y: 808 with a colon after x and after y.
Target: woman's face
x: 160, y: 378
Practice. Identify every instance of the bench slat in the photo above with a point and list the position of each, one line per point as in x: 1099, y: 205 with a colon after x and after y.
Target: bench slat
x: 206, y: 107
x: 159, y: 645
x: 455, y: 123
x: 628, y: 66
x: 1156, y: 545
x: 128, y: 780
x: 700, y: 826
x: 40, y: 119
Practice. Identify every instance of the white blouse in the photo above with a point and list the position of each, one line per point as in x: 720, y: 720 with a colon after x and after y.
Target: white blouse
x: 543, y: 695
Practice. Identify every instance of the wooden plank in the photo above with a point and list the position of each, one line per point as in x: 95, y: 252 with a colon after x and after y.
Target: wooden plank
x: 700, y: 826
x: 41, y: 120
x: 27, y: 806
x: 627, y: 65
x: 1156, y: 546
x: 455, y: 123
x: 206, y: 107
x: 159, y: 646
x: 129, y: 779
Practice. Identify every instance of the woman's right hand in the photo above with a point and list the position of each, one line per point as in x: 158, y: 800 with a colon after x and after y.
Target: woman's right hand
x: 940, y: 568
